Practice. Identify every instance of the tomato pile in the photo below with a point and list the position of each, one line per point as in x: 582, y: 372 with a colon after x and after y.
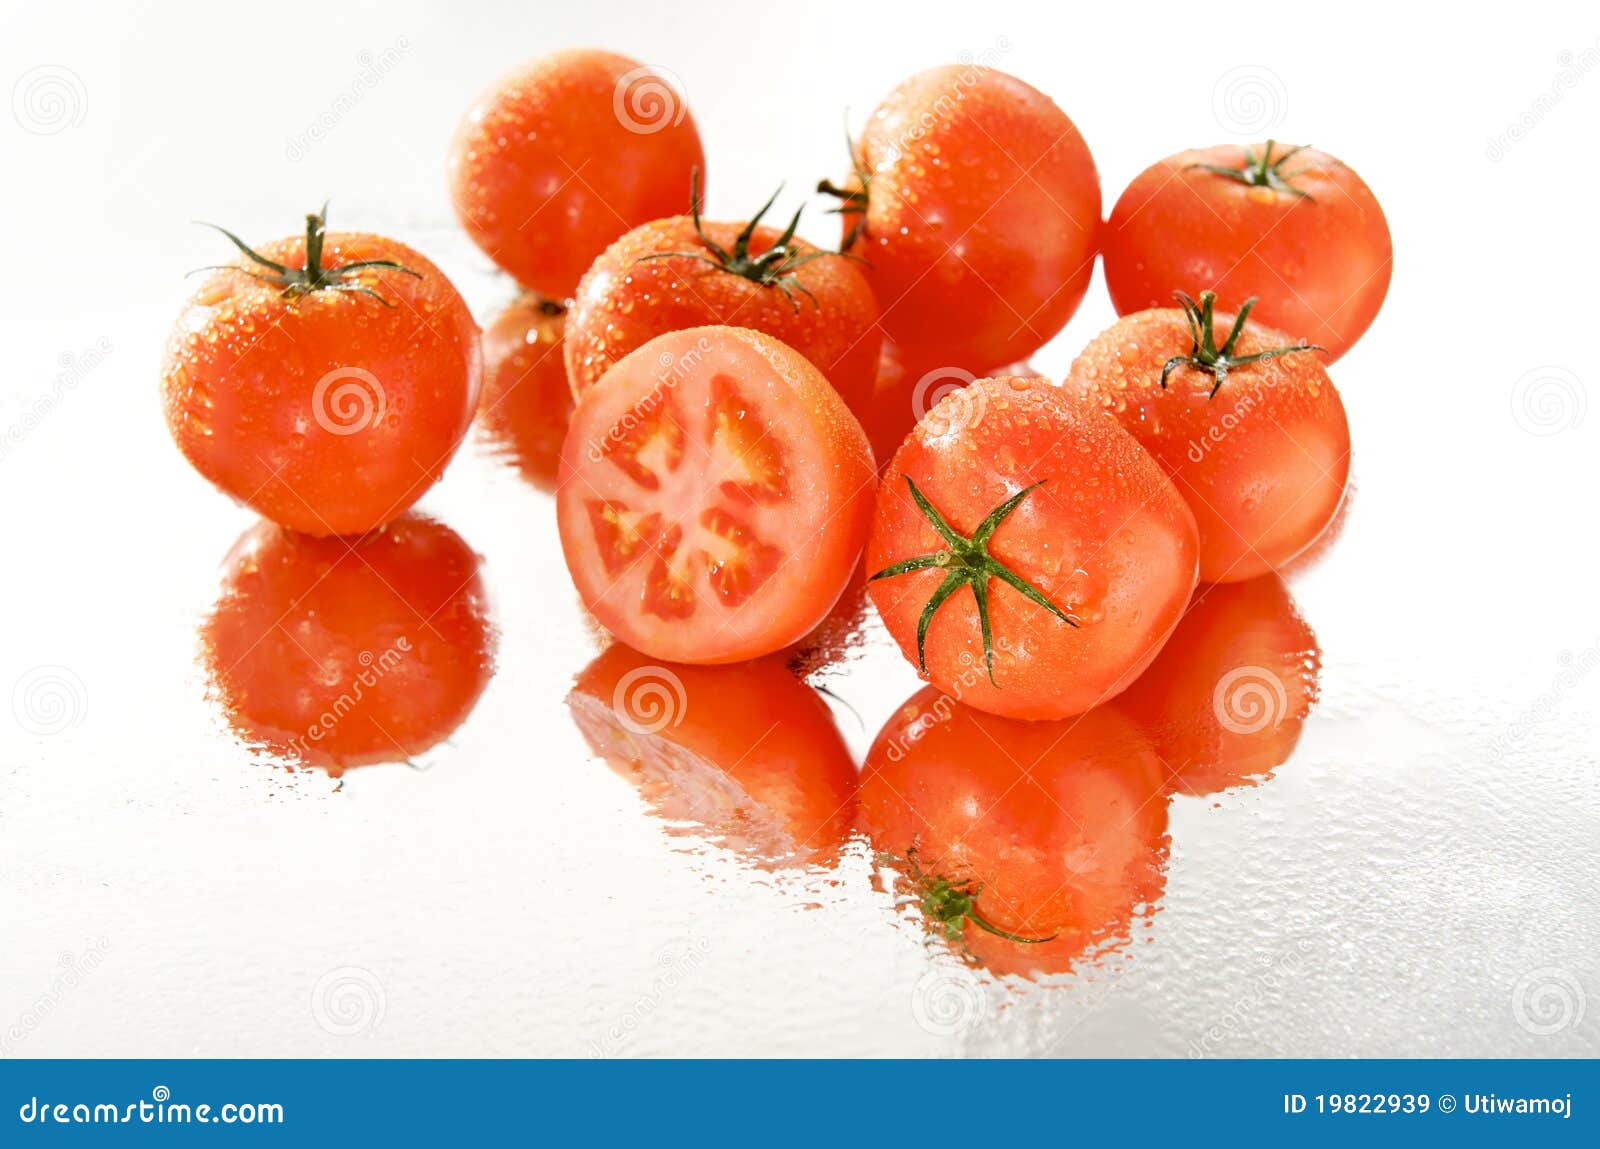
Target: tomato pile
x: 752, y: 439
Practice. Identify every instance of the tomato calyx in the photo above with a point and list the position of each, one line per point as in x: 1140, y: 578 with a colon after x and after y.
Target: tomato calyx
x: 1262, y: 171
x: 774, y: 267
x: 1205, y: 355
x: 967, y: 562
x: 298, y: 281
x: 952, y: 904
x: 851, y: 201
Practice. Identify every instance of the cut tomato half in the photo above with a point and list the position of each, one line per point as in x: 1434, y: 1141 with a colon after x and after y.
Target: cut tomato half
x: 715, y: 493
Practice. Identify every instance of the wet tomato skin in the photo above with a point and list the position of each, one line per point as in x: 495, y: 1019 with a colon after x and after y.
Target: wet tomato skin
x: 1106, y: 538
x: 564, y: 154
x: 1320, y: 262
x: 1263, y: 462
x: 982, y: 217
x: 337, y: 653
x: 749, y: 752
x: 714, y: 496
x: 329, y: 412
x: 526, y: 403
x: 829, y: 316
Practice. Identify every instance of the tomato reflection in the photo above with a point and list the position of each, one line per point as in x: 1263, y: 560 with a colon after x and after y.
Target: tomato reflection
x: 1026, y: 844
x: 747, y: 753
x: 1224, y: 701
x: 337, y: 652
x: 527, y: 402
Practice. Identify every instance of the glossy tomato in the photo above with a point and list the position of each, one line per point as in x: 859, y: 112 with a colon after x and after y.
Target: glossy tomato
x: 1025, y: 842
x: 325, y: 381
x: 1291, y: 226
x: 526, y: 402
x: 715, y: 493
x: 562, y: 156
x: 1025, y: 553
x: 1224, y: 701
x: 337, y: 653
x: 684, y: 272
x: 976, y: 206
x: 1253, y: 432
x: 748, y: 753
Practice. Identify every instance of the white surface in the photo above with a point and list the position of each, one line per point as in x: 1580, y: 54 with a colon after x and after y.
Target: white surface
x: 1429, y: 855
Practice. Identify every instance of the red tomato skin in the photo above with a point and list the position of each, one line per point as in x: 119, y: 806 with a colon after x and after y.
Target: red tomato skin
x: 338, y: 653
x: 1264, y: 463
x: 329, y: 413
x: 982, y: 218
x: 1225, y: 700
x: 545, y: 170
x: 526, y: 404
x: 817, y: 563
x: 1062, y: 825
x: 755, y: 723
x: 623, y: 303
x: 1320, y: 264
x: 1107, y: 539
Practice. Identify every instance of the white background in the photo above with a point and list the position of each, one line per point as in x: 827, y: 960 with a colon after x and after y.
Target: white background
x: 1431, y: 852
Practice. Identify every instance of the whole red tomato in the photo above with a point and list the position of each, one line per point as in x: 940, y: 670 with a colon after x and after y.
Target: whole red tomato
x: 337, y: 653
x: 563, y: 155
x: 976, y: 206
x: 1245, y: 420
x: 323, y: 381
x: 1026, y: 554
x: 1291, y: 226
x: 684, y: 272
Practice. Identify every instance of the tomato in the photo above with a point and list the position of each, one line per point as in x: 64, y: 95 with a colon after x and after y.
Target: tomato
x: 1253, y: 433
x: 747, y: 753
x: 324, y: 382
x: 526, y: 402
x: 1291, y: 226
x: 683, y: 272
x: 1015, y: 520
x: 1224, y: 701
x: 715, y: 493
x: 345, y: 652
x: 976, y: 206
x: 562, y: 156
x: 1025, y: 842
x: 899, y: 400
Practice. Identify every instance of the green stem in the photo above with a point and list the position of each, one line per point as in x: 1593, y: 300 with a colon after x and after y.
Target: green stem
x: 1205, y: 355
